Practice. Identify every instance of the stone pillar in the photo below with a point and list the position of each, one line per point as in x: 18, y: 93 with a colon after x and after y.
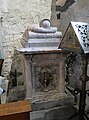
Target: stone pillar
x: 62, y: 76
x: 28, y: 82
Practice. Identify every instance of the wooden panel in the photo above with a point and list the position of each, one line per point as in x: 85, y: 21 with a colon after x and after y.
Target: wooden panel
x: 15, y: 108
x: 20, y: 116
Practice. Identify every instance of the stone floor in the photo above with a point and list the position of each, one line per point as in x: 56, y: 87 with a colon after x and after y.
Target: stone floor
x: 62, y: 111
x: 58, y: 113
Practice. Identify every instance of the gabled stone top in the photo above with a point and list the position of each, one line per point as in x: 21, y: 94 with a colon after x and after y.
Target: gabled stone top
x: 76, y: 37
x: 82, y: 32
x: 42, y: 35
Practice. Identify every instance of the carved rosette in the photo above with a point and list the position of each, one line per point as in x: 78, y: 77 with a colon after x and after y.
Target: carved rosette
x: 46, y: 78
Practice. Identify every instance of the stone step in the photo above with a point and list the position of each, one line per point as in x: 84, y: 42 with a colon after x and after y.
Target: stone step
x: 43, y: 42
x: 36, y: 106
x: 48, y: 44
x: 48, y: 40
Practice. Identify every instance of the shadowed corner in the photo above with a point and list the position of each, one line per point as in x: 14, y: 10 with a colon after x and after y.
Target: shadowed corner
x: 66, y: 6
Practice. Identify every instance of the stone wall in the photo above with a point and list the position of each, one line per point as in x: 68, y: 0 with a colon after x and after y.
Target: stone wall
x: 64, y: 11
x: 15, y: 17
x: 16, y: 89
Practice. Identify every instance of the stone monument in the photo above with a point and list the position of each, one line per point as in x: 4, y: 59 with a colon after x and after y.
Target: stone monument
x: 44, y: 68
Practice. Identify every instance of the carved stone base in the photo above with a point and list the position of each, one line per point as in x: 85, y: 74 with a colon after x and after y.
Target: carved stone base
x: 45, y: 75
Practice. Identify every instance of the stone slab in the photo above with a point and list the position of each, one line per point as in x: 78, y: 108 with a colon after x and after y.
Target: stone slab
x: 44, y: 40
x: 46, y: 44
x: 56, y: 113
x: 39, y: 49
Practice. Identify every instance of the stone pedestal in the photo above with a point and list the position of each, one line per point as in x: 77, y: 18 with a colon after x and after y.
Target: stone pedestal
x: 45, y: 83
x: 45, y: 74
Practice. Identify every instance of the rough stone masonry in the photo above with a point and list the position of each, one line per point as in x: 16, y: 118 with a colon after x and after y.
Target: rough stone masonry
x: 16, y: 16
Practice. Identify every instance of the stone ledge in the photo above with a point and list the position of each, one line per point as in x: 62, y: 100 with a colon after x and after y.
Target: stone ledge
x: 53, y: 103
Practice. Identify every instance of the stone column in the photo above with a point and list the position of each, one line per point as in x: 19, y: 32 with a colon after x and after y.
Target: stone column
x: 62, y: 74
x: 28, y: 82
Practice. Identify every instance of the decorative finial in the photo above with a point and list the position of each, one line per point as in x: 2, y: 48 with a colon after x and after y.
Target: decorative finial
x: 45, y: 23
